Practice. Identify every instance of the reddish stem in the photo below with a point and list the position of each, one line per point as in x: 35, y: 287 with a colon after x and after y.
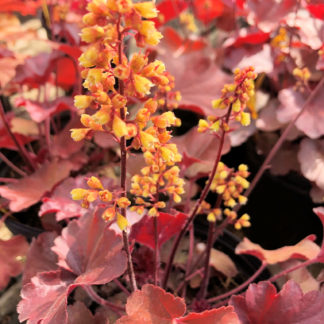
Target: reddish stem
x: 198, y: 203
x: 103, y: 302
x: 123, y: 167
x: 240, y: 287
x: 20, y: 147
x: 12, y: 165
x: 156, y: 250
x: 121, y: 286
x: 280, y: 141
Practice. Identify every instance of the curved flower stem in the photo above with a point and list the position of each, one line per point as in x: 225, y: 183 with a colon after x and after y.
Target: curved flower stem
x: 296, y: 267
x: 210, y: 243
x: 240, y: 287
x: 123, y: 168
x: 20, y: 147
x: 198, y: 203
x: 121, y: 286
x: 156, y: 250
x: 280, y: 141
x: 12, y: 165
x: 103, y: 302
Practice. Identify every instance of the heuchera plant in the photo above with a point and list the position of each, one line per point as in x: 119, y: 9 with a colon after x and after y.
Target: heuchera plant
x: 120, y: 193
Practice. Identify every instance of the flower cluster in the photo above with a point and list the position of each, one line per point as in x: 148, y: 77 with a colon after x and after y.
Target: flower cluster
x: 111, y: 80
x: 160, y: 175
x: 234, y: 96
x: 229, y: 185
x: 112, y: 201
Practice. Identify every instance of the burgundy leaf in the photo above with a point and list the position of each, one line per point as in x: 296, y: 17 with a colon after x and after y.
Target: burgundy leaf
x: 261, y: 304
x: 90, y: 250
x: 29, y: 190
x: 12, y: 253
x: 40, y: 257
x: 168, y: 226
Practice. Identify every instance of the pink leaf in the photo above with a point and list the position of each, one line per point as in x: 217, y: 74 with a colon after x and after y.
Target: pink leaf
x: 203, y: 152
x: 319, y: 211
x: 40, y: 257
x: 90, y: 250
x: 152, y: 305
x: 29, y: 190
x: 80, y: 314
x: 193, y: 72
x: 61, y: 203
x: 311, y: 122
x: 55, y: 287
x: 168, y: 226
x: 39, y: 111
x: 12, y: 252
x: 306, y: 249
x: 261, y: 304
x: 311, y: 159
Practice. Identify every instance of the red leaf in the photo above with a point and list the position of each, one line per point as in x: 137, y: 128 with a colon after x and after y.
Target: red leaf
x: 92, y: 254
x: 65, y: 73
x: 152, y: 305
x: 24, y: 7
x: 181, y: 45
x: 250, y: 37
x: 317, y: 10
x: 39, y: 111
x: 168, y: 10
x: 29, y: 190
x: 6, y: 140
x: 90, y: 250
x: 306, y: 249
x: 168, y: 226
x: 262, y: 305
x: 40, y: 257
x: 208, y: 10
x: 12, y: 252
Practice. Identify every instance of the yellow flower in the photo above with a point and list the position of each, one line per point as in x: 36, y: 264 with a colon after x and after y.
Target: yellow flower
x: 149, y: 32
x: 78, y: 193
x: 82, y: 101
x: 142, y: 85
x: 109, y: 214
x: 78, y: 134
x: 105, y: 195
x: 146, y: 9
x: 122, y: 222
x: 119, y: 127
x: 92, y: 34
x: 147, y: 140
x: 123, y: 202
x: 94, y: 183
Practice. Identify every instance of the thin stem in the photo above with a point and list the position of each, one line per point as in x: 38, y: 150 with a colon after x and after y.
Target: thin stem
x: 123, y: 168
x: 48, y: 134
x: 240, y: 287
x: 280, y: 141
x: 130, y: 267
x: 296, y: 267
x: 198, y: 203
x: 20, y: 147
x: 12, y: 165
x: 204, y: 283
x: 156, y: 250
x: 210, y: 243
x: 121, y: 286
x: 187, y: 278
x: 103, y: 302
